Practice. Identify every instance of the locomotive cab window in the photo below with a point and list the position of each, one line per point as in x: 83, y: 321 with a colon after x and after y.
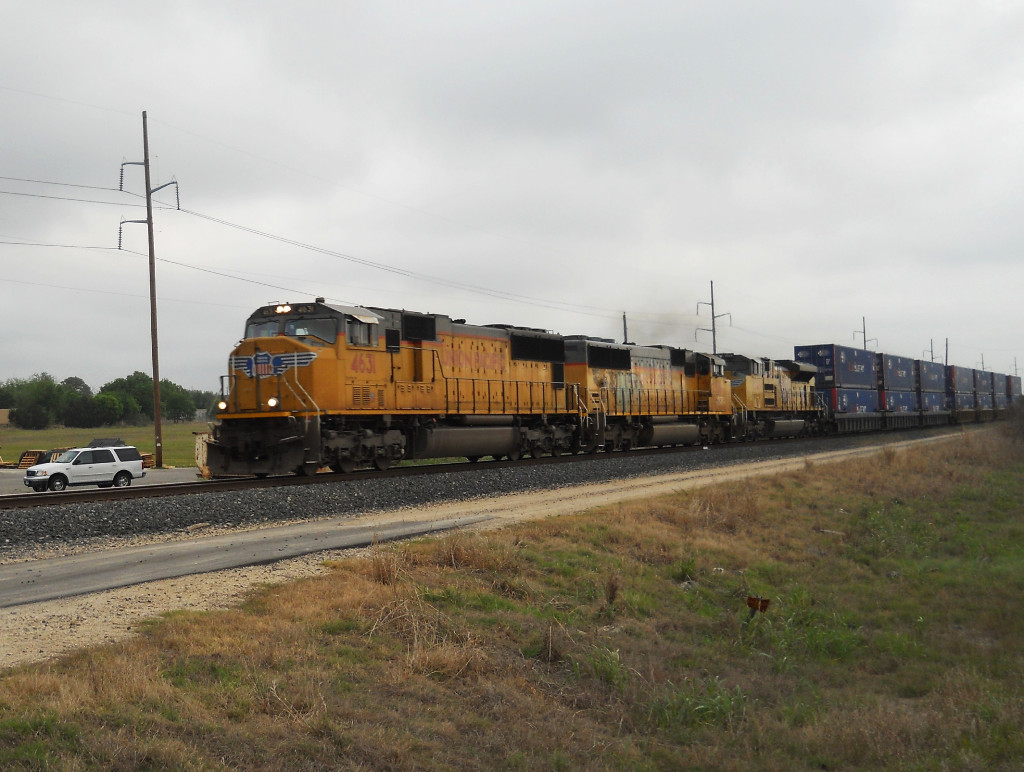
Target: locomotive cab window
x: 360, y: 333
x: 325, y: 330
x: 263, y: 329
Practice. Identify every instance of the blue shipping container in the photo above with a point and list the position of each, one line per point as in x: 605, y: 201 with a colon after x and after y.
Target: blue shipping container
x: 930, y: 376
x: 839, y: 366
x: 999, y: 384
x: 1002, y: 401
x: 1013, y: 387
x: 985, y: 401
x: 895, y: 372
x: 961, y: 379
x: 933, y: 402
x: 901, y: 401
x: 852, y: 400
x: 964, y: 400
x: 983, y: 381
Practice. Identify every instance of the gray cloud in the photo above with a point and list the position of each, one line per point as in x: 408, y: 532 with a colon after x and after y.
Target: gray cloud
x: 819, y: 162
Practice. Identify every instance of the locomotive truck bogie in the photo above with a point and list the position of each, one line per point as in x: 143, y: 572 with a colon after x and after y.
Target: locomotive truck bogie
x: 264, y: 446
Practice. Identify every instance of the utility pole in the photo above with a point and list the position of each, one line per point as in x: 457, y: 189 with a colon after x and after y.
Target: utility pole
x: 864, y: 331
x: 714, y: 321
x: 157, y: 428
x: 947, y: 352
x: 625, y: 333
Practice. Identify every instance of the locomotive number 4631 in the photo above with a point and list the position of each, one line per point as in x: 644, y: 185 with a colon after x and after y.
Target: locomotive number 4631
x: 363, y: 362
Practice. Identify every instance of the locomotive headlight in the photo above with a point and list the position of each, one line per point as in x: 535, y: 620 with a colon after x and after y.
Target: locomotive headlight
x: 283, y: 309
x: 273, y: 402
x: 222, y: 405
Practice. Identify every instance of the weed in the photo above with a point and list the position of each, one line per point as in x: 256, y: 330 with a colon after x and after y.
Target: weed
x: 703, y: 703
x: 611, y: 589
x: 386, y: 564
x: 684, y: 570
x: 605, y: 665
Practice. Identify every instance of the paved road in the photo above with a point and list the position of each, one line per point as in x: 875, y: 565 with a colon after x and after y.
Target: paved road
x: 39, y: 580
x: 12, y: 480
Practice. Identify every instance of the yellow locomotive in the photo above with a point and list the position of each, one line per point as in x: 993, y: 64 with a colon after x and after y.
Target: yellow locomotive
x: 770, y: 399
x: 316, y: 385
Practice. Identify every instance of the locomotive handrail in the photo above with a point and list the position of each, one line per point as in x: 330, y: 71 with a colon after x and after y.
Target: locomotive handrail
x: 520, y: 402
x: 295, y: 368
x: 741, y: 405
x: 436, y: 355
x: 231, y: 388
x: 628, y: 401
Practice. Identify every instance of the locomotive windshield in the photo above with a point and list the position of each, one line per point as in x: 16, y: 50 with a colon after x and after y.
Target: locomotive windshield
x: 320, y: 328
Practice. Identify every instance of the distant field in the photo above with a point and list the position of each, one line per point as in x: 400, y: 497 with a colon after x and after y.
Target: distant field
x: 178, y: 440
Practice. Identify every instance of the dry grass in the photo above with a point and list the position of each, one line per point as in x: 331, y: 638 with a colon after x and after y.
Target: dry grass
x: 616, y: 639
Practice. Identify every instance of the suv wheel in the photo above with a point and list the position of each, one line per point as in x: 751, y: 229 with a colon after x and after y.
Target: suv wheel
x: 58, y: 483
x: 122, y: 480
x: 39, y: 487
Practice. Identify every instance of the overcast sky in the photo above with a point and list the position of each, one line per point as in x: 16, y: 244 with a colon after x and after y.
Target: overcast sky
x: 547, y: 164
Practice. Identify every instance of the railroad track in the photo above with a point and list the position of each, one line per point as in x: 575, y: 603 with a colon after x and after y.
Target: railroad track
x: 90, y: 495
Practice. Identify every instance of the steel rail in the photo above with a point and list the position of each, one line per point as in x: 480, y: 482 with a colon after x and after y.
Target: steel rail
x: 91, y: 495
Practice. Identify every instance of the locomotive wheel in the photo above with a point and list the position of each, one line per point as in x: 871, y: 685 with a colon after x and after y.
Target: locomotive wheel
x: 556, y: 451
x: 346, y: 466
x: 513, y: 456
x: 472, y: 459
x: 382, y: 463
x: 536, y: 451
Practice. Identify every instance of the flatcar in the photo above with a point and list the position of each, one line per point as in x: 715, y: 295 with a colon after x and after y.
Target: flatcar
x: 314, y: 385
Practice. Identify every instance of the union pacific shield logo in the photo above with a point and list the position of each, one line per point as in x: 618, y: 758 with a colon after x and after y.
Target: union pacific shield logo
x: 264, y: 364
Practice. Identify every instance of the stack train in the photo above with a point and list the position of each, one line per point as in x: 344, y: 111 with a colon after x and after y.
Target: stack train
x: 316, y: 385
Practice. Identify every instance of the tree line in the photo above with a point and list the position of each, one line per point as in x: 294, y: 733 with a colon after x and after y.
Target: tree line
x: 40, y: 401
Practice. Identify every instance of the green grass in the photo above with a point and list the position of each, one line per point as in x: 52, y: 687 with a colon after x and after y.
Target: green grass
x: 615, y: 639
x: 178, y: 440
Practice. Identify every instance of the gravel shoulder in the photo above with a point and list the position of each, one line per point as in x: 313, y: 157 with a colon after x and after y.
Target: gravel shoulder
x: 41, y: 631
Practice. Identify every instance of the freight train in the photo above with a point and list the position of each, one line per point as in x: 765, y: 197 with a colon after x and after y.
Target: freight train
x: 315, y: 385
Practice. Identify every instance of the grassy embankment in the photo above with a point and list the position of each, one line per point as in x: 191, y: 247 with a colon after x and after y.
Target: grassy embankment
x: 619, y: 638
x: 178, y: 440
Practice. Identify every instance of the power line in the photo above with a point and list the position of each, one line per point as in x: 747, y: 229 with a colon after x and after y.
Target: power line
x: 50, y: 285
x: 66, y: 198
x: 60, y: 184
x: 159, y: 259
x: 544, y: 303
x: 66, y: 101
x: 555, y: 305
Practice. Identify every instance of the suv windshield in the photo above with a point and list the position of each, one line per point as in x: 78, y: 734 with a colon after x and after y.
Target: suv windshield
x: 67, y: 456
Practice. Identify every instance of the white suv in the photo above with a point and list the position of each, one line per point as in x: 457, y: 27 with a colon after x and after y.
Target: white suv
x: 103, y: 466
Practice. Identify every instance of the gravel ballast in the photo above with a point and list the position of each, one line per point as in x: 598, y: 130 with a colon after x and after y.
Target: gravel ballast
x: 22, y: 530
